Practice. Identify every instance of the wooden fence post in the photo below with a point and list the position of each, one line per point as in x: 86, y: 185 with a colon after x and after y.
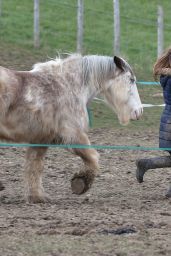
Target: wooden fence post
x: 160, y: 37
x: 116, y: 46
x: 0, y: 7
x: 80, y: 24
x: 36, y: 24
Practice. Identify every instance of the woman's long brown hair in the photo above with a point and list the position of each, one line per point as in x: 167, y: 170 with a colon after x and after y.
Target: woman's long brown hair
x: 163, y: 64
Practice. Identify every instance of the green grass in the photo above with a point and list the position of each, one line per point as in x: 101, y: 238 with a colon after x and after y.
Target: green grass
x: 58, y: 34
x: 58, y: 28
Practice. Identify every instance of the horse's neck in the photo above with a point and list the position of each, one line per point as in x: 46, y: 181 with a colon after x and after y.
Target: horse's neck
x: 91, y: 96
x: 92, y: 71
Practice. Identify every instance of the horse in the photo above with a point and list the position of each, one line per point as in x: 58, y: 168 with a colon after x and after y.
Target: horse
x: 48, y: 105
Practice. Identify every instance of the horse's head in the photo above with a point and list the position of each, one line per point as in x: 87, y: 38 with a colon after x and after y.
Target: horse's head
x: 121, y: 92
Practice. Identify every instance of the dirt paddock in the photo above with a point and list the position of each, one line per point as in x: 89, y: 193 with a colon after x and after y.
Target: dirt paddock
x: 117, y: 216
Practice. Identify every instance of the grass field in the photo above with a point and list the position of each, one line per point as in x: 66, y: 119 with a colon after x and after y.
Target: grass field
x: 58, y: 28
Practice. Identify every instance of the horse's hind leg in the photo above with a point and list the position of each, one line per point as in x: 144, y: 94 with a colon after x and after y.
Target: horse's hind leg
x: 33, y: 174
x: 83, y: 180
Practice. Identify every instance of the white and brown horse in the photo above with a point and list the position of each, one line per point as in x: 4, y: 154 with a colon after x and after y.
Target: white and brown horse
x: 49, y: 105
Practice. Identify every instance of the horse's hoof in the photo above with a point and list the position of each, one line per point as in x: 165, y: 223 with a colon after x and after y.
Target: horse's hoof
x: 1, y: 186
x: 78, y: 185
x: 140, y: 170
x: 38, y: 199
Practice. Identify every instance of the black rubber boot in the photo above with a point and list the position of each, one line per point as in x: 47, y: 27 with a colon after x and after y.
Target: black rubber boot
x: 168, y: 194
x: 144, y: 165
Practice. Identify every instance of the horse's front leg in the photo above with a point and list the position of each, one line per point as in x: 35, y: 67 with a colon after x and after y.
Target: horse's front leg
x: 33, y: 174
x: 83, y: 180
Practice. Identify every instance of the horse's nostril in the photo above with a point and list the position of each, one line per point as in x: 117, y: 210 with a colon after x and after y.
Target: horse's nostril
x: 138, y: 113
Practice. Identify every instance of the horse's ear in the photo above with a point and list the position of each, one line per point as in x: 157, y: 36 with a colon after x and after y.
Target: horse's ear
x: 119, y: 63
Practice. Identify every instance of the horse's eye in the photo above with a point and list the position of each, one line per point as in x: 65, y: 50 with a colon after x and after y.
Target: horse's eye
x: 132, y: 80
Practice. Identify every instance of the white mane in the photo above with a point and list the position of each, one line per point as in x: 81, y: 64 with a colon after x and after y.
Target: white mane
x: 95, y: 69
x: 48, y: 66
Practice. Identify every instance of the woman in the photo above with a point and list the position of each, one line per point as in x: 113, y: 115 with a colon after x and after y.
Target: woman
x: 162, y: 69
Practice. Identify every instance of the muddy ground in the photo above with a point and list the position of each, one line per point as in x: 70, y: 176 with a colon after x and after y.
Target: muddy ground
x: 117, y: 216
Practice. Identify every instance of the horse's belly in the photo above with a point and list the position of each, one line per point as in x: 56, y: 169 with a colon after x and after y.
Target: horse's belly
x: 5, y: 133
x: 15, y: 135
x: 26, y: 132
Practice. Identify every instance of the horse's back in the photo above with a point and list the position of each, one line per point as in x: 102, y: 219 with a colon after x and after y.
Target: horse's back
x: 8, y: 78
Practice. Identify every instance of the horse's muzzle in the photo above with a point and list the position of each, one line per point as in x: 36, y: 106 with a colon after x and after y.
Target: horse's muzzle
x: 136, y: 114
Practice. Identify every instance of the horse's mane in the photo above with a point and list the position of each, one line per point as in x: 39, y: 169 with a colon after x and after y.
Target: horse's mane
x: 48, y: 65
x: 95, y: 69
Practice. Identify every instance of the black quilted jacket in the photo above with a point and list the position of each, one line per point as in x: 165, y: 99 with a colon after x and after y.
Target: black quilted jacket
x: 165, y: 121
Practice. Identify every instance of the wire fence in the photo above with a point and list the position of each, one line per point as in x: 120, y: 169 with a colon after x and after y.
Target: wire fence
x: 58, y: 27
x: 83, y: 146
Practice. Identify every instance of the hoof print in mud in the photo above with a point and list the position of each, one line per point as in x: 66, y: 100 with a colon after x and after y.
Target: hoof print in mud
x: 119, y: 231
x: 79, y: 185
